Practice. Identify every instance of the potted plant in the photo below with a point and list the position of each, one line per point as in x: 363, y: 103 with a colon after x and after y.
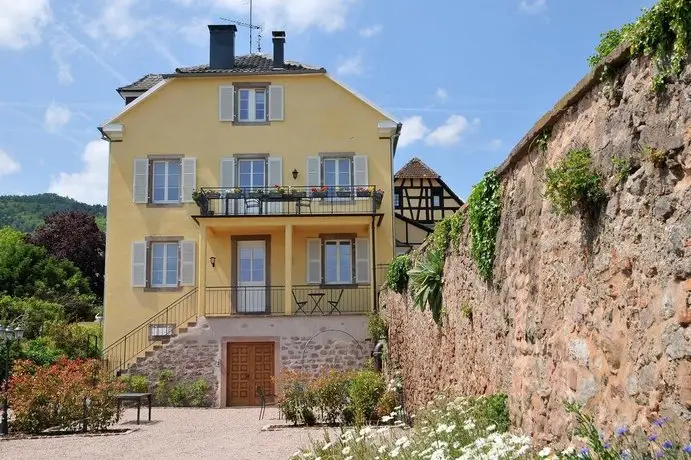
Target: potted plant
x: 212, y: 195
x: 320, y: 192
x: 277, y: 192
x: 364, y: 191
x: 343, y: 192
x: 235, y: 192
x: 296, y: 192
x: 256, y: 193
x: 378, y: 196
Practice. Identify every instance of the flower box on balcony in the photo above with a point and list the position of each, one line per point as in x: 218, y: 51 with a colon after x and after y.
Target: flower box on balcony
x: 212, y: 195
x: 256, y: 194
x: 344, y: 193
x: 300, y: 194
x: 363, y: 193
x: 234, y: 194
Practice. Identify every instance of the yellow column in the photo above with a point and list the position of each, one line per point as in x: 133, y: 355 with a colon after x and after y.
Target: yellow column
x: 288, y: 270
x: 373, y: 267
x: 201, y: 264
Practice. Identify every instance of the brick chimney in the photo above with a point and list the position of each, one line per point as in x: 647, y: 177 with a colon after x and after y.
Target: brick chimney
x: 222, y: 46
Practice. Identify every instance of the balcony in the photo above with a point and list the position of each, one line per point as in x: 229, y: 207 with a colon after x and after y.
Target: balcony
x: 288, y: 201
x: 306, y: 300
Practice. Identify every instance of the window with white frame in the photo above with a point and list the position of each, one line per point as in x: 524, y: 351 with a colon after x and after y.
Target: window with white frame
x: 166, y: 179
x: 164, y: 264
x: 338, y: 261
x: 252, y: 104
x: 338, y: 173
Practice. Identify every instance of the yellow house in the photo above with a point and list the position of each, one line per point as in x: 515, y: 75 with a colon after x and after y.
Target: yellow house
x: 421, y: 200
x: 250, y: 218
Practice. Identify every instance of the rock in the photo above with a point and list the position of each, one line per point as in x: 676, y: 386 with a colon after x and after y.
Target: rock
x: 664, y: 207
x: 579, y: 351
x: 572, y: 379
x: 637, y: 183
x: 587, y: 389
x: 675, y: 343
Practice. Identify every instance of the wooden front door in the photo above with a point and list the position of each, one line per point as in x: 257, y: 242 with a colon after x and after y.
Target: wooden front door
x: 250, y: 365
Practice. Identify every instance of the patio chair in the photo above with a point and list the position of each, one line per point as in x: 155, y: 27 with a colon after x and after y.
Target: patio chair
x: 251, y: 203
x: 300, y: 304
x: 305, y: 202
x: 334, y: 303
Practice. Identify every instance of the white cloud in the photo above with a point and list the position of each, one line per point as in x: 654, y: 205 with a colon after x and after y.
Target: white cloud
x: 116, y: 21
x: 56, y: 117
x: 413, y: 130
x: 495, y: 144
x: 371, y: 31
x: 196, y: 32
x: 533, y: 6
x: 90, y: 185
x: 441, y: 94
x: 8, y: 165
x: 351, y: 66
x: 22, y: 22
x: 449, y: 133
x: 294, y: 15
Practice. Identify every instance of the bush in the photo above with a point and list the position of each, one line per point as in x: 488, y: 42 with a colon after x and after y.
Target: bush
x: 331, y: 390
x: 295, y: 398
x: 376, y: 326
x: 32, y: 315
x: 187, y: 394
x: 53, y: 396
x: 135, y: 383
x: 574, y: 185
x: 75, y: 340
x: 426, y: 281
x: 397, y: 274
x: 364, y: 391
x: 387, y: 404
x: 41, y: 351
x: 162, y: 388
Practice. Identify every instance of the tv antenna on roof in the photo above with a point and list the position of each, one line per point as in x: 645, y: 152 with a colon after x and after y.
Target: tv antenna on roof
x: 251, y: 26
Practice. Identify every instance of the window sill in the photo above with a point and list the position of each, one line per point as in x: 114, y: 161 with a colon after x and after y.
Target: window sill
x: 163, y: 289
x: 251, y: 123
x: 164, y: 205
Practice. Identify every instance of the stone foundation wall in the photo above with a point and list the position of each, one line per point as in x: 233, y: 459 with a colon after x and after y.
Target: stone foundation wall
x: 596, y: 313
x: 302, y: 343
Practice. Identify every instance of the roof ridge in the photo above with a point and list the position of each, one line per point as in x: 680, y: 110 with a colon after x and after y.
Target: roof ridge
x: 416, y: 168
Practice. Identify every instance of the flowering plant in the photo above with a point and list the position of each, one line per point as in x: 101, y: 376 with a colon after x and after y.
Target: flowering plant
x: 279, y: 189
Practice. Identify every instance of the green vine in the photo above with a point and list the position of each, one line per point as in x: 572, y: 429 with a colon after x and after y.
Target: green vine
x: 542, y: 139
x: 427, y: 282
x: 574, y: 184
x: 397, y: 275
x: 448, y: 233
x: 622, y: 168
x: 484, y: 213
x: 662, y: 32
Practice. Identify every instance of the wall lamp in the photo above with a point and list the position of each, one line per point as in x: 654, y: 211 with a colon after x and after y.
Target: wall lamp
x: 212, y: 259
x: 295, y: 173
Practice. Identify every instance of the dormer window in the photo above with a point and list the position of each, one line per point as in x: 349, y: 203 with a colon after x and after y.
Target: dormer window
x: 252, y: 105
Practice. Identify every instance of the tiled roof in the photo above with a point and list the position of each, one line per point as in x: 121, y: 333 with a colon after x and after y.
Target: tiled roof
x: 416, y: 169
x: 251, y: 63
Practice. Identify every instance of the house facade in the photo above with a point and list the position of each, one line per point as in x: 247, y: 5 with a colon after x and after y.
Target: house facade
x: 421, y: 200
x: 250, y: 214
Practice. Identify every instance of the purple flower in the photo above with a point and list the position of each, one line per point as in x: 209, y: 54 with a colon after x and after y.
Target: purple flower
x: 652, y: 437
x: 661, y: 421
x: 585, y: 452
x: 686, y: 449
x: 659, y: 454
x: 621, y: 431
x: 607, y: 445
x: 667, y: 444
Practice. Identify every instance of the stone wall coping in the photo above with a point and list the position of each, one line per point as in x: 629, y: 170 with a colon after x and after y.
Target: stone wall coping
x: 615, y: 59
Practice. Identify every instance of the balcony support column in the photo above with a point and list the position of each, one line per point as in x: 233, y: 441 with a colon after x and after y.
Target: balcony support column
x: 201, y: 264
x: 288, y: 269
x: 373, y: 263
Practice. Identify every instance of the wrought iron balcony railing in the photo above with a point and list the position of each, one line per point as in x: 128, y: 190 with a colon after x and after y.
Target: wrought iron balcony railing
x: 280, y: 200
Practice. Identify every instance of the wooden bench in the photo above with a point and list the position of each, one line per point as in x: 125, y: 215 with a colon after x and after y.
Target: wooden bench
x: 136, y: 397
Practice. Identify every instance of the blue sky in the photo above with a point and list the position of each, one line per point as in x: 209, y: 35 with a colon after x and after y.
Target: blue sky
x: 467, y: 79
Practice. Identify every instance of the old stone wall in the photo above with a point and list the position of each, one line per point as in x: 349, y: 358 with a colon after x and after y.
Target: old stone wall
x: 592, y: 312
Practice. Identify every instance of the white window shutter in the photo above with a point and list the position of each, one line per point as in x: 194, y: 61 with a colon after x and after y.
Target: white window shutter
x: 139, y: 264
x: 140, y: 184
x: 360, y: 178
x: 187, y: 262
x: 313, y: 172
x: 275, y: 176
x: 275, y: 103
x: 189, y: 178
x: 314, y: 261
x: 362, y: 265
x: 227, y: 181
x: 226, y: 103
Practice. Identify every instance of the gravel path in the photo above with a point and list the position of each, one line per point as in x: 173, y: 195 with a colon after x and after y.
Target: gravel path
x: 173, y: 434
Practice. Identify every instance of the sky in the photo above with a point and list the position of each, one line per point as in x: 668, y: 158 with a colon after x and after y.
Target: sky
x: 466, y: 79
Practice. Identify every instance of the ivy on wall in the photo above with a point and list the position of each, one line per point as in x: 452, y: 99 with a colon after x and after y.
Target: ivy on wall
x: 573, y: 184
x: 662, y: 32
x: 484, y: 214
x: 397, y: 275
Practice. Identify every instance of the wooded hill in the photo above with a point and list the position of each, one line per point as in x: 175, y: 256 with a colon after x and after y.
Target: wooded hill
x: 26, y: 212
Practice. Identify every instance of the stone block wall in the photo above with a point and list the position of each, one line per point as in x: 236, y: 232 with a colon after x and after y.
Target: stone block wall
x: 593, y: 313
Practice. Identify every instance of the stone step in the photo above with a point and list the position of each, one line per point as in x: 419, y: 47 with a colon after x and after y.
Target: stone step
x: 191, y: 324
x: 181, y: 330
x: 149, y: 354
x: 157, y: 347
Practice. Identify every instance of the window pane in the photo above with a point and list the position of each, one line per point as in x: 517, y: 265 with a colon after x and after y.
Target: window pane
x: 345, y: 262
x: 331, y: 262
x: 244, y: 104
x: 260, y: 105
x: 157, y: 263
x: 245, y: 166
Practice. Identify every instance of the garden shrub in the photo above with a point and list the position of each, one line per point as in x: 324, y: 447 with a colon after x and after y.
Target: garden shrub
x: 135, y: 383
x: 189, y: 394
x: 53, y: 396
x: 330, y: 391
x: 364, y: 391
x: 32, y: 315
x: 397, y: 274
x: 41, y: 351
x: 387, y: 404
x: 162, y: 388
x: 376, y: 326
x: 426, y: 283
x: 75, y: 340
x: 574, y: 185
x: 295, y: 397
x: 484, y: 216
